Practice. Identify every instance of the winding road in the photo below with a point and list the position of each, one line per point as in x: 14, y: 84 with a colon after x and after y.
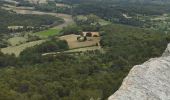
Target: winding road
x: 68, y: 20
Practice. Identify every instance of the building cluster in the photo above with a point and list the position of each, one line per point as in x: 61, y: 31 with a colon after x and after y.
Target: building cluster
x: 87, y: 36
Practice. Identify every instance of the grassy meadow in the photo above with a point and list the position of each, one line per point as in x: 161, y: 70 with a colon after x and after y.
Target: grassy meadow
x: 49, y: 32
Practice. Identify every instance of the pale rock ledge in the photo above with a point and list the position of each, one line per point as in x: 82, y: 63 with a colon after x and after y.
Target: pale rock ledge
x: 149, y: 81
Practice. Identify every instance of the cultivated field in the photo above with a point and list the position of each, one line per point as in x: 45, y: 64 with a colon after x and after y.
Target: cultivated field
x: 73, y: 43
x: 17, y: 40
x: 18, y: 49
x: 49, y: 32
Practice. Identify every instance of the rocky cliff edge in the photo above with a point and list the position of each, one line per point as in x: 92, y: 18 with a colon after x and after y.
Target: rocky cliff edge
x: 149, y: 81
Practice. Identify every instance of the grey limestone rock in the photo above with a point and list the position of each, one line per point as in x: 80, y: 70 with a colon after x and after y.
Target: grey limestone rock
x: 149, y: 81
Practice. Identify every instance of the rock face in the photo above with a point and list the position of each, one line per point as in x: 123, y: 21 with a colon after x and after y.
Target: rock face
x: 149, y: 81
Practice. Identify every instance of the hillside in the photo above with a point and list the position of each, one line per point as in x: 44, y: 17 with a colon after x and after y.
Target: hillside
x: 125, y: 1
x: 149, y: 81
x: 83, y: 49
x: 91, y: 74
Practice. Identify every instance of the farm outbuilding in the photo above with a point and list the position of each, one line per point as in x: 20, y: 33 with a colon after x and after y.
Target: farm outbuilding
x: 91, y: 34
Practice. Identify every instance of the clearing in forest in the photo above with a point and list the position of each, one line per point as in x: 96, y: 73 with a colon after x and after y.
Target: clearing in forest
x: 74, y: 43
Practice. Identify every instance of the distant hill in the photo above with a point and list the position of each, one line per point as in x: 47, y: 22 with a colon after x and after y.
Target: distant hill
x: 130, y: 1
x: 147, y: 1
x: 30, y: 1
x: 88, y: 1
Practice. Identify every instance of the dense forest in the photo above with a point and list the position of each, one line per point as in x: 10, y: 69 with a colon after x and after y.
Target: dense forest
x: 113, y: 11
x: 51, y: 6
x: 116, y: 1
x: 67, y: 77
x: 110, y: 10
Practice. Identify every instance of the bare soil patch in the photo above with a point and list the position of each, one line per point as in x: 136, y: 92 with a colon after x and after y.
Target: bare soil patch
x: 73, y: 43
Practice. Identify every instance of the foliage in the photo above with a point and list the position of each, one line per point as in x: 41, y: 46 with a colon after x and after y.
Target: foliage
x: 70, y: 79
x: 24, y: 3
x: 3, y: 44
x: 32, y: 55
x: 71, y: 29
x: 36, y: 21
x: 91, y: 75
x: 88, y: 23
x: 113, y: 11
x: 130, y: 45
x: 7, y: 60
x: 51, y: 6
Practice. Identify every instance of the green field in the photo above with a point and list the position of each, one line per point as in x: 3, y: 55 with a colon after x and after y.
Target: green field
x: 49, y: 32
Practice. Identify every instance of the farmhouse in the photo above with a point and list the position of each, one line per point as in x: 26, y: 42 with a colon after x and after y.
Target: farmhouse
x: 15, y: 27
x: 91, y: 34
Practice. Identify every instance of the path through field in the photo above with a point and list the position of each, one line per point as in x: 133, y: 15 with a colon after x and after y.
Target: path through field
x: 72, y: 51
